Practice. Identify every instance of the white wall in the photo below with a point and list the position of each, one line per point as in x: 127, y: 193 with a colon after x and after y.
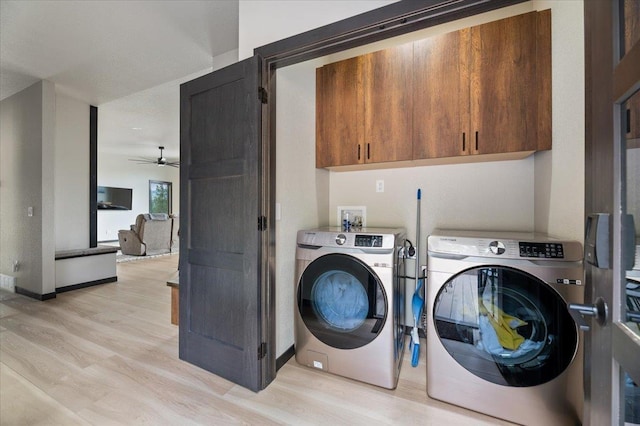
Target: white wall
x: 302, y: 191
x: 27, y: 135
x: 559, y: 194
x: 509, y: 195
x: 71, y: 173
x: 116, y: 170
x: 288, y: 18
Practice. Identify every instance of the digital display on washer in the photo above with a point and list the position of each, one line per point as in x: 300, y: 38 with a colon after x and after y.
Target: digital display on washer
x: 545, y: 250
x: 368, y: 240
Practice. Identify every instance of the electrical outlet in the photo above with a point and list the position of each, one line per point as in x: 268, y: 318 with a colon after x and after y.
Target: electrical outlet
x: 379, y: 185
x: 8, y: 283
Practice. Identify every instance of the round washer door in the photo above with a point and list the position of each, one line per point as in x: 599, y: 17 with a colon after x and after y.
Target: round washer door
x: 505, y: 326
x: 342, y: 301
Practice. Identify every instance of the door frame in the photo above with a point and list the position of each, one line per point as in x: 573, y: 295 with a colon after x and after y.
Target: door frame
x: 388, y: 21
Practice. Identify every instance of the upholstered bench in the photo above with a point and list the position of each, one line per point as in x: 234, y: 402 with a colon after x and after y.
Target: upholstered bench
x: 80, y: 268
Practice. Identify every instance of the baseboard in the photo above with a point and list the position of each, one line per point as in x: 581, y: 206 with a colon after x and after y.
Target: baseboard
x: 33, y: 295
x: 286, y: 356
x: 86, y: 284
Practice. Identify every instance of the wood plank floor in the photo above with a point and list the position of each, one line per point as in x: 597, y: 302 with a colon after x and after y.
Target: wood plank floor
x: 108, y: 355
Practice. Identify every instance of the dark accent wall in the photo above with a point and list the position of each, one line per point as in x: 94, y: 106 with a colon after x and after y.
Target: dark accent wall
x: 93, y: 176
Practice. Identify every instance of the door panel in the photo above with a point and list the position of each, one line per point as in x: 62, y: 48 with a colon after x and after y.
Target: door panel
x: 220, y: 269
x: 626, y: 336
x: 613, y: 346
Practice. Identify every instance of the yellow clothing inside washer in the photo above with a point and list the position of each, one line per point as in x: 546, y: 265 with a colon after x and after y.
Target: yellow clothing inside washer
x: 504, y: 325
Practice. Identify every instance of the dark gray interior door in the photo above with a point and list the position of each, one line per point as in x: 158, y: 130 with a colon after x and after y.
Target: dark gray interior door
x: 220, y: 209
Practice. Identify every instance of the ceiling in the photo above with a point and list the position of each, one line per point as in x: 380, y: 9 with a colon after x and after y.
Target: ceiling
x: 125, y: 57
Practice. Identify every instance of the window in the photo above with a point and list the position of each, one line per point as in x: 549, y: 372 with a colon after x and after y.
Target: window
x: 160, y: 197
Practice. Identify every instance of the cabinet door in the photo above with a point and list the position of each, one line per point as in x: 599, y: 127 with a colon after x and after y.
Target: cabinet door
x: 388, y: 104
x: 441, y: 102
x: 339, y: 114
x: 504, y: 85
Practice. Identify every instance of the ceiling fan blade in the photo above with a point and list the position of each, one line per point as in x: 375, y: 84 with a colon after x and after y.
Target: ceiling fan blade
x: 142, y: 161
x: 160, y: 161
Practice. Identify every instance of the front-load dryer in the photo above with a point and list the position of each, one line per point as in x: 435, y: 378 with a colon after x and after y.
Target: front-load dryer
x: 350, y: 298
x: 500, y: 339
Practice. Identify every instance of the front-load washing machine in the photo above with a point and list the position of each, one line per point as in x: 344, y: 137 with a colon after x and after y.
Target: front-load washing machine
x: 350, y: 291
x: 500, y: 339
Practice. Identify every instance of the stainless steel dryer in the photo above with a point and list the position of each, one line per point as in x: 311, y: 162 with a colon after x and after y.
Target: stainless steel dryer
x: 500, y: 339
x: 349, y: 313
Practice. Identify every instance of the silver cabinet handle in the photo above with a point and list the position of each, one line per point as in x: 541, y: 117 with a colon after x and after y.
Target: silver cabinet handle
x: 579, y: 312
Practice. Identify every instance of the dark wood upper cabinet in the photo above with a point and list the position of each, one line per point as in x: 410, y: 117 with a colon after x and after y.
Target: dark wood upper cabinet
x: 503, y: 89
x: 480, y: 90
x: 441, y: 105
x: 485, y: 89
x: 363, y: 108
x: 339, y: 113
x: 388, y: 104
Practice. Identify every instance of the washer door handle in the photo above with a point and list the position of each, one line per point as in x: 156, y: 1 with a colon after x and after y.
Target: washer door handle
x: 598, y: 310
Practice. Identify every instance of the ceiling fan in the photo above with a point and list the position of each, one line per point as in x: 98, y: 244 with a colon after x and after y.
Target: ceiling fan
x: 160, y: 161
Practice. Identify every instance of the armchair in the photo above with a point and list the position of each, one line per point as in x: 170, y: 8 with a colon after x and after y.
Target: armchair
x: 151, y: 234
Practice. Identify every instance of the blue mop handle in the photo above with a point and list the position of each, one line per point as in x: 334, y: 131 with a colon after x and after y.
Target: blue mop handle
x: 415, y: 339
x: 418, y: 239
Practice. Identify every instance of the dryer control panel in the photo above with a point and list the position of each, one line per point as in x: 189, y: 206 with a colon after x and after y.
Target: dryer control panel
x: 505, y: 245
x: 544, y: 250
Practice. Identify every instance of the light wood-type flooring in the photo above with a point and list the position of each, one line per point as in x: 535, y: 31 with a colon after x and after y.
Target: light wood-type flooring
x: 108, y: 355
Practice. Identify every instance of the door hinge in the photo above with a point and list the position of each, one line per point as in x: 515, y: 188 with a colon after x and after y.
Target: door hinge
x: 262, y: 95
x: 262, y: 223
x: 262, y: 350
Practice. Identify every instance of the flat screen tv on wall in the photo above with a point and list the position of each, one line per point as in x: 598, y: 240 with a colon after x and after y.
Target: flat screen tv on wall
x: 110, y: 198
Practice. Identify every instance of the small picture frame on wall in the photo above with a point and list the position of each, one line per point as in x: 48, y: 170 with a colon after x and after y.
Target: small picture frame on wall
x: 357, y: 216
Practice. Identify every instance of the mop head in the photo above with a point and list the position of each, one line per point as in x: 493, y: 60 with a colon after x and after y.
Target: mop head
x: 415, y: 345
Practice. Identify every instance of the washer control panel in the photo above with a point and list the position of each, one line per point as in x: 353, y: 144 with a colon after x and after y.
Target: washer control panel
x: 368, y: 240
x: 544, y: 250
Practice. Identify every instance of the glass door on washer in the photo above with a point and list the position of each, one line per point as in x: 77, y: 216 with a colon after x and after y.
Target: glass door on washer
x: 342, y: 301
x: 505, y: 326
